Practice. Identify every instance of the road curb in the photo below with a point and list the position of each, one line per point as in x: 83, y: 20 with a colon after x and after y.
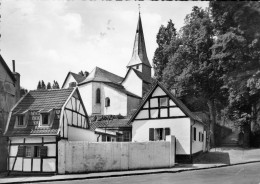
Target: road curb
x: 132, y: 174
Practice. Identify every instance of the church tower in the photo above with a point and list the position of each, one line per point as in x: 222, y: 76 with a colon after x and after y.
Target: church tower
x: 139, y: 60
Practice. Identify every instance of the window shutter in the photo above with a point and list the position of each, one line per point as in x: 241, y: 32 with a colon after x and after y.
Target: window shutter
x: 43, y: 151
x: 167, y: 131
x: 151, y: 134
x: 21, y: 151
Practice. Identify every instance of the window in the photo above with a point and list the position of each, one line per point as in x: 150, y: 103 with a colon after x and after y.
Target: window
x: 137, y: 67
x: 194, y: 134
x: 202, y: 137
x: 157, y: 134
x: 164, y: 102
x: 45, y: 119
x: 20, y: 120
x: 28, y: 151
x: 98, y: 96
x: 107, y: 102
x: 126, y: 136
x: 32, y: 151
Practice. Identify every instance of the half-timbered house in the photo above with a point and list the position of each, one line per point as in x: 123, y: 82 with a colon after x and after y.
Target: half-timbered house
x: 161, y: 114
x: 37, y: 124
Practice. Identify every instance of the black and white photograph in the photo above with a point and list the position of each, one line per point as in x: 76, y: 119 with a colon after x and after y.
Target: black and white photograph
x: 147, y: 92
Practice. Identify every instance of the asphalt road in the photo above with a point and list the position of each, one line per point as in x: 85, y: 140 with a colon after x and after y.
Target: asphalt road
x: 244, y: 174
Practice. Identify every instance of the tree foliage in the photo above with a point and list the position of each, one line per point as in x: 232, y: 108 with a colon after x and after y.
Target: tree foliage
x: 168, y: 43
x: 237, y: 49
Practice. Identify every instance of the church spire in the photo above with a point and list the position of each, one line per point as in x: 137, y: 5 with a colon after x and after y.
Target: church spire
x: 139, y: 55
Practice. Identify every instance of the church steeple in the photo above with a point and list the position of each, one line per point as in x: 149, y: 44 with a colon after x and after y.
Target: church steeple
x: 139, y: 56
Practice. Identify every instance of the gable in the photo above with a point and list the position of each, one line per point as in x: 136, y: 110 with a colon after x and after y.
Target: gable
x: 68, y: 80
x: 74, y: 114
x: 159, y: 105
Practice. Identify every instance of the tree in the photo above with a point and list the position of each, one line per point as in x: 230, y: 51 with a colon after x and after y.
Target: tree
x: 55, y: 85
x: 167, y: 44
x: 43, y: 85
x: 190, y: 68
x: 85, y: 74
x: 39, y: 86
x: 237, y: 50
x: 49, y: 85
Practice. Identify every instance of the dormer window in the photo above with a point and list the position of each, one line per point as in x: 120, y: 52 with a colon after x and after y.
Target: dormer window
x: 20, y: 120
x: 45, y: 119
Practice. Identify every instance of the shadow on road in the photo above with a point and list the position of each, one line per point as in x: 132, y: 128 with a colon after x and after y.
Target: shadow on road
x: 212, y: 158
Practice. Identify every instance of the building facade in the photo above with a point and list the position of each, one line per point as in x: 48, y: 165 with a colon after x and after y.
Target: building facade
x: 41, y: 121
x: 161, y: 114
x: 9, y: 95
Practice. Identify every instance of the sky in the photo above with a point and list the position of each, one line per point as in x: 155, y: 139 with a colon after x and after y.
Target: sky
x: 47, y: 39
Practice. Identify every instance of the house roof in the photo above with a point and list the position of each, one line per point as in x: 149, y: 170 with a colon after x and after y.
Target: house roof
x: 78, y: 78
x: 38, y: 100
x: 2, y: 61
x: 139, y: 50
x: 101, y: 75
x: 115, y: 123
x: 174, y: 99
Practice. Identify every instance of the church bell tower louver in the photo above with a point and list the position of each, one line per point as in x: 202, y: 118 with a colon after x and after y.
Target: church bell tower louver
x: 139, y: 59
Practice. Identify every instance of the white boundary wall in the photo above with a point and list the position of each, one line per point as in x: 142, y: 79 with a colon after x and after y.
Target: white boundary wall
x: 80, y: 156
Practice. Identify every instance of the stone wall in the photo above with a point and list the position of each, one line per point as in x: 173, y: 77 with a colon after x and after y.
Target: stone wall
x: 82, y: 157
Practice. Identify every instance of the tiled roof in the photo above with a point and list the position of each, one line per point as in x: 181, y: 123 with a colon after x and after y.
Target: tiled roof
x: 115, y: 123
x: 101, y: 75
x: 43, y: 100
x: 77, y: 77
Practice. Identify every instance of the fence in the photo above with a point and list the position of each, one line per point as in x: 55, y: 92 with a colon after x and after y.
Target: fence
x: 80, y: 157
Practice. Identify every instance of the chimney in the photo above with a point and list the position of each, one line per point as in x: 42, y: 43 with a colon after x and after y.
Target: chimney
x: 17, y: 83
x: 14, y: 66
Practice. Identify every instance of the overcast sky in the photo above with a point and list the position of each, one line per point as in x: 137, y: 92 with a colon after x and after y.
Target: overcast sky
x: 50, y: 38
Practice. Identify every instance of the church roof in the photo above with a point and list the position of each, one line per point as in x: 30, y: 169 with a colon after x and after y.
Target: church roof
x: 101, y: 75
x: 77, y: 77
x: 142, y: 76
x: 139, y: 51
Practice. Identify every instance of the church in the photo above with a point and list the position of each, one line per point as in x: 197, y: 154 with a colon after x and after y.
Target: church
x: 105, y: 93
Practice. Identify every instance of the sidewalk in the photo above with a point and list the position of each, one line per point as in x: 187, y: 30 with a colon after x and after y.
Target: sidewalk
x: 219, y: 157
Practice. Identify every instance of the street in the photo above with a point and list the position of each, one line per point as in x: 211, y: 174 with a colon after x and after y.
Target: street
x: 244, y: 174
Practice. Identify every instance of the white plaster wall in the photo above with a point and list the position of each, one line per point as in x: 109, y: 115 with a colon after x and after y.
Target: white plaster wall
x: 24, y: 163
x: 69, y: 80
x: 118, y: 101
x: 85, y: 157
x: 79, y: 134
x: 197, y: 145
x: 158, y: 92
x: 86, y: 95
x: 133, y: 83
x: 180, y: 128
